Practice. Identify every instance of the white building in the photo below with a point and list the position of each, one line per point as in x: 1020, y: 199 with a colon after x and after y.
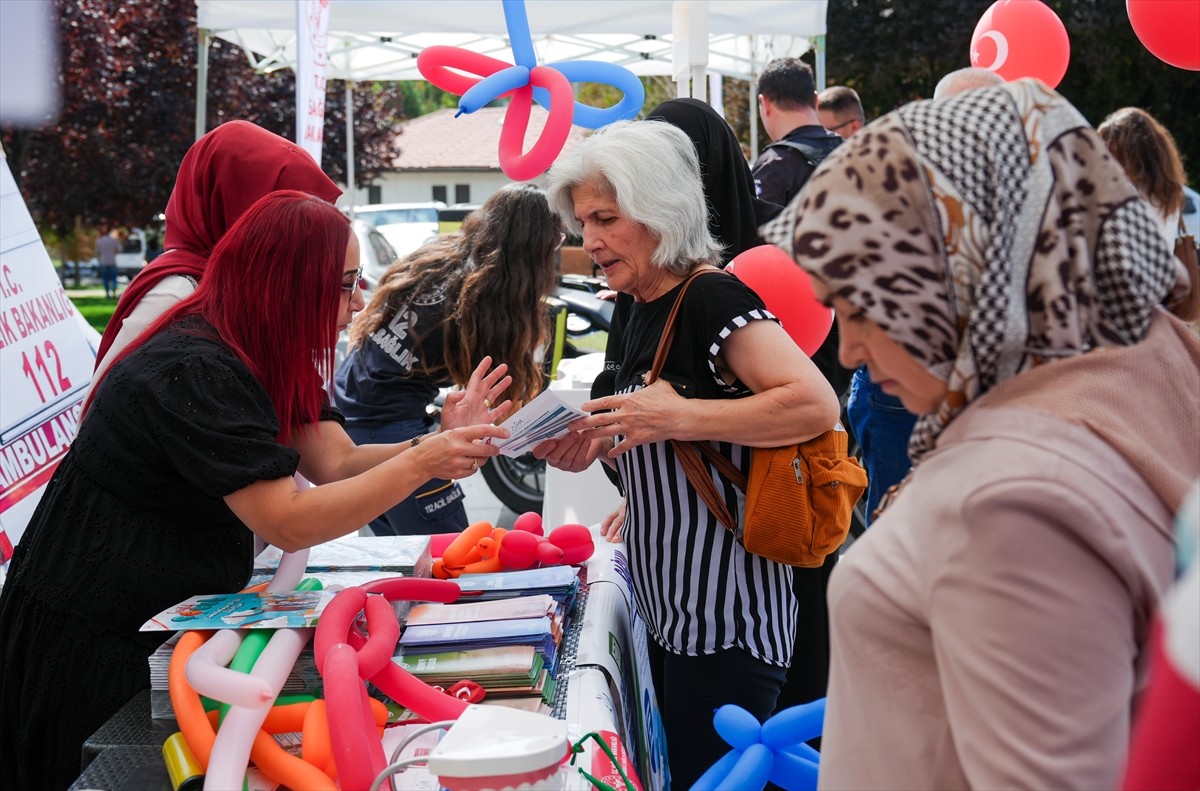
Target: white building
x: 454, y: 160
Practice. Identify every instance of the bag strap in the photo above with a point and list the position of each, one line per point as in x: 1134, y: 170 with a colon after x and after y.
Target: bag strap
x: 688, y: 453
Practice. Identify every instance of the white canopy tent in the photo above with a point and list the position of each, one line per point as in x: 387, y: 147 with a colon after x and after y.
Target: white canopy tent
x: 380, y: 39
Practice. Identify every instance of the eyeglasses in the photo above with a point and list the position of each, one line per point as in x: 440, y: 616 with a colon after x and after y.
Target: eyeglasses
x: 349, y: 287
x: 562, y: 237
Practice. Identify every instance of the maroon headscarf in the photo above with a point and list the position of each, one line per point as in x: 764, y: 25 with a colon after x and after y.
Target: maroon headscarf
x: 222, y: 174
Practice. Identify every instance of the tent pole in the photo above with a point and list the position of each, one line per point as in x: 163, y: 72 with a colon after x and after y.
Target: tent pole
x: 679, y: 52
x: 350, y: 146
x: 698, y: 47
x: 820, y: 47
x: 204, y: 39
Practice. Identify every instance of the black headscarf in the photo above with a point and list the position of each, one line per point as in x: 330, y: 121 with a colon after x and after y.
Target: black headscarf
x: 735, y: 211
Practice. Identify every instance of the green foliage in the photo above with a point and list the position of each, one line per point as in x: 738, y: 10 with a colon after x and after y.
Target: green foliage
x: 895, y: 51
x: 97, y: 311
x: 128, y: 94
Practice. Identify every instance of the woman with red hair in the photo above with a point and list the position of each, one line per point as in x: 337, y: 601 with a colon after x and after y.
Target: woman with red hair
x: 222, y: 174
x: 187, y: 451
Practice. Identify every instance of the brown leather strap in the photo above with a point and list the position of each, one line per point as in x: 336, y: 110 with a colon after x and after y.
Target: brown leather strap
x: 688, y: 453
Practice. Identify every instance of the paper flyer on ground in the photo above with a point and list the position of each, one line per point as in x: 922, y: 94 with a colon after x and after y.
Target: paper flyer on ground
x: 262, y: 610
x: 545, y: 417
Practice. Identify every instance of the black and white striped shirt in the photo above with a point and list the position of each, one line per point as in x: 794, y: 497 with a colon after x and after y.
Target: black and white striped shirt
x: 697, y: 589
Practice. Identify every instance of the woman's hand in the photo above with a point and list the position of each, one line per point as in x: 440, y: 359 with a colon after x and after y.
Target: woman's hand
x: 479, y: 402
x: 573, y: 452
x: 651, y: 414
x: 613, y: 524
x: 456, y: 453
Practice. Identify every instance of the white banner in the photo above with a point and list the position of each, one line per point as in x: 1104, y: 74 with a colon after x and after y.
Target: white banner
x: 47, y: 352
x: 312, y: 32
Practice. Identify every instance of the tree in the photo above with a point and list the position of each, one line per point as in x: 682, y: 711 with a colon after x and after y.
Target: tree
x: 894, y: 51
x: 128, y: 114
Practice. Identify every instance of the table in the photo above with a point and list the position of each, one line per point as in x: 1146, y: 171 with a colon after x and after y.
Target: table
x: 599, y: 651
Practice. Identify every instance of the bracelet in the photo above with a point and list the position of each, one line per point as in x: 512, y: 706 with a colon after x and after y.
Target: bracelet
x: 415, y: 441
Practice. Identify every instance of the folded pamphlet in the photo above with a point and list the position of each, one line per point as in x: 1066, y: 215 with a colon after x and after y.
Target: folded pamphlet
x: 545, y: 417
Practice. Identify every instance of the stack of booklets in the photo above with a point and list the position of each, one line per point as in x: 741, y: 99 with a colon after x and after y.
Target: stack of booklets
x: 387, y: 556
x: 559, y: 582
x: 341, y: 563
x: 507, y: 646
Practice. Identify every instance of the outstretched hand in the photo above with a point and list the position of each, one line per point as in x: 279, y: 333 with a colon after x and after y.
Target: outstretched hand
x: 651, y: 414
x: 479, y: 402
x: 457, y: 453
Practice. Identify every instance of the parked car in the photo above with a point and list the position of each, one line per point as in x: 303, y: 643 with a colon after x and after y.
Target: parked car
x: 375, y: 251
x: 406, y: 226
x: 451, y: 217
x: 132, y: 257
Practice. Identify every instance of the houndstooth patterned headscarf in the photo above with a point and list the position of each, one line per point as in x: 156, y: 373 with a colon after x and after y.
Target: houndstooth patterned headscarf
x: 987, y: 233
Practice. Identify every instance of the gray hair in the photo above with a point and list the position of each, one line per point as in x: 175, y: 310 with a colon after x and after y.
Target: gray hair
x: 964, y: 80
x: 651, y: 170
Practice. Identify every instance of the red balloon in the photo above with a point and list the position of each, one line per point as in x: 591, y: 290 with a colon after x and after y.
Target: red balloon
x: 1021, y: 38
x: 787, y: 292
x: 1170, y: 29
x: 536, y: 161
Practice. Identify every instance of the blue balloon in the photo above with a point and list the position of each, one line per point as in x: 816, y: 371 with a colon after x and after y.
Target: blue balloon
x: 716, y: 773
x: 793, y: 773
x: 751, y: 772
x: 794, y: 725
x: 802, y: 750
x: 487, y: 89
x: 519, y: 37
x: 621, y: 78
x: 738, y: 727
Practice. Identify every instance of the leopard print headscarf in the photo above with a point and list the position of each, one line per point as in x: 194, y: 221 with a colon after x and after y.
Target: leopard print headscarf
x: 987, y: 233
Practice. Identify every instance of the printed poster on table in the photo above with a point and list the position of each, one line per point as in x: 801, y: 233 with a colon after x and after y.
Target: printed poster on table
x: 256, y: 610
x: 47, y: 352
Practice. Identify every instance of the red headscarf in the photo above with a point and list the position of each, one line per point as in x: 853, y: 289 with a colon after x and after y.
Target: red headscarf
x: 222, y: 174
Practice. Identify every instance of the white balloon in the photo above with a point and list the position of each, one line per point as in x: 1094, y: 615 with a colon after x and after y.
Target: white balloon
x: 1001, y: 50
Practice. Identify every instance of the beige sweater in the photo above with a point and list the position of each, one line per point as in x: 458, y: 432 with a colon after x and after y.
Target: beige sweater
x: 988, y: 629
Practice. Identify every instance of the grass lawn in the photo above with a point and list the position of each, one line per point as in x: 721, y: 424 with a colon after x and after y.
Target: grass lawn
x: 97, y: 310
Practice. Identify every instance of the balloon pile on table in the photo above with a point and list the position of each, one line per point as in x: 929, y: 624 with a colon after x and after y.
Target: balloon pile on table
x: 342, y: 734
x: 525, y: 83
x: 243, y: 671
x: 483, y: 548
x: 772, y: 752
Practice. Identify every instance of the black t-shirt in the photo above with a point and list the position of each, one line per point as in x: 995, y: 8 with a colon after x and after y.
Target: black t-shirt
x: 385, y: 379
x: 781, y: 171
x: 132, y: 521
x: 690, y: 365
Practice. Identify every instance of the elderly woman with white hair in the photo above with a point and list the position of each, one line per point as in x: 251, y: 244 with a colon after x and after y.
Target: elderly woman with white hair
x: 715, y: 613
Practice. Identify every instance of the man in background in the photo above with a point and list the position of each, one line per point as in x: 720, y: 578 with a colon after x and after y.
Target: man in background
x: 840, y: 110
x: 787, y: 102
x: 107, y: 247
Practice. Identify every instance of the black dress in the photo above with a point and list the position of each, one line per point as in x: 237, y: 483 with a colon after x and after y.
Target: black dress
x: 132, y: 522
